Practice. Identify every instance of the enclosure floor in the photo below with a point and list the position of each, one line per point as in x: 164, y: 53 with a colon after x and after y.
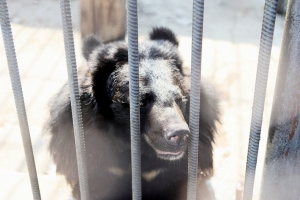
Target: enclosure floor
x: 230, y: 51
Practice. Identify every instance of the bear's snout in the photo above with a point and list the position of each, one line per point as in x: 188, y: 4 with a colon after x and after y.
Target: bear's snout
x: 177, y: 136
x: 167, y: 132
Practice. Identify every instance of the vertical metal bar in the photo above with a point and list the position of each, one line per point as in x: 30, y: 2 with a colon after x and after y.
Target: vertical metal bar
x: 281, y: 175
x: 75, y: 99
x: 260, y: 94
x: 18, y: 96
x: 133, y: 61
x: 197, y: 35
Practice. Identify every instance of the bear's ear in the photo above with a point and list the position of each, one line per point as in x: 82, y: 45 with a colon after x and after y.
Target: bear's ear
x: 103, y: 62
x: 163, y: 33
x: 90, y: 43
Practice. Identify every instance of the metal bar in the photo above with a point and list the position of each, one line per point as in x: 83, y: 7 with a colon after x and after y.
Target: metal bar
x: 260, y: 94
x: 75, y: 99
x: 133, y: 61
x: 194, y: 118
x: 281, y: 175
x: 18, y: 96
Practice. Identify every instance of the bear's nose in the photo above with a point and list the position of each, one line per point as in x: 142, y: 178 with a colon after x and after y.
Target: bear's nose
x: 177, y: 137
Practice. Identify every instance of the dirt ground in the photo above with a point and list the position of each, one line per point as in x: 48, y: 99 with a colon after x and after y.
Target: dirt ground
x: 230, y: 52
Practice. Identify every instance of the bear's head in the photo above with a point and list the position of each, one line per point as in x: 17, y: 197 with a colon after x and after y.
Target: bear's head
x: 163, y: 95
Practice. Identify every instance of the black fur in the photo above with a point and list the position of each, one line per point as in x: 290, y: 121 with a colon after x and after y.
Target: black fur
x: 104, y: 96
x: 162, y: 33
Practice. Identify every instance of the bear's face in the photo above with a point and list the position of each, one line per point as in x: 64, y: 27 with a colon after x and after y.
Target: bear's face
x: 162, y: 105
x: 163, y: 96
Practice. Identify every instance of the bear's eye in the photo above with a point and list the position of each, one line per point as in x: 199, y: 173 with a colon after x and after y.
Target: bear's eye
x: 181, y: 100
x: 146, y: 100
x: 144, y: 103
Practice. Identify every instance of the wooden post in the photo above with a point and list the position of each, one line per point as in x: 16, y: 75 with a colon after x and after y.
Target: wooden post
x: 281, y: 175
x: 103, y: 18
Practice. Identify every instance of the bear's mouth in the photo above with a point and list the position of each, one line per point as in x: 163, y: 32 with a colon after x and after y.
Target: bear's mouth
x: 167, y: 155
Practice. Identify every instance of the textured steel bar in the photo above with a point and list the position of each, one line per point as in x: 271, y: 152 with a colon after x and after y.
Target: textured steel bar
x: 75, y: 99
x: 281, y: 175
x: 197, y: 35
x: 259, y: 94
x: 18, y: 95
x: 133, y: 61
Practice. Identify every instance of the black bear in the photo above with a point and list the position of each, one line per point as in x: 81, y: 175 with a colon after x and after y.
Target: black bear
x: 164, y: 111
